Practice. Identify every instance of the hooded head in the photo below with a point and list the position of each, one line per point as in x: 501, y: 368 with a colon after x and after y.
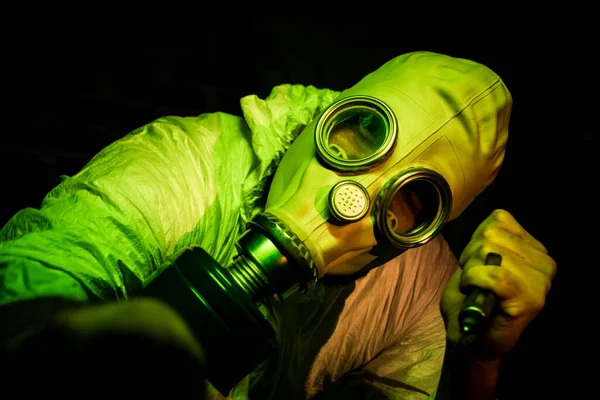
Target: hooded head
x: 403, y: 151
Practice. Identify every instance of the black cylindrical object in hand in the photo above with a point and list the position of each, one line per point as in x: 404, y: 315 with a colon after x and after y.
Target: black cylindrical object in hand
x: 478, y: 304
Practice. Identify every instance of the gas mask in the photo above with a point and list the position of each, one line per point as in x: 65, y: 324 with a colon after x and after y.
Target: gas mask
x: 378, y: 172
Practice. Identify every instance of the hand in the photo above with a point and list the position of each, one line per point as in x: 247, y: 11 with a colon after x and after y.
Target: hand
x: 145, y: 318
x: 134, y: 347
x: 521, y: 283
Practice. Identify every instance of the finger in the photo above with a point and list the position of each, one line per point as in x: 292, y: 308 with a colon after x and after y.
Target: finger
x: 490, y: 277
x: 502, y: 219
x: 508, y: 246
x: 508, y: 285
x: 513, y: 262
x: 530, y: 277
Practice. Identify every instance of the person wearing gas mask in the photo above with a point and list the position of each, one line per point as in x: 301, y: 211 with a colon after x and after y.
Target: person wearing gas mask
x: 362, y: 180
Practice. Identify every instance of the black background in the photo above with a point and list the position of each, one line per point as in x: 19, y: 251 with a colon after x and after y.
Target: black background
x: 70, y: 91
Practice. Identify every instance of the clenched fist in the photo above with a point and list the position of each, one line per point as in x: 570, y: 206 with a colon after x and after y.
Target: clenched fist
x: 521, y: 283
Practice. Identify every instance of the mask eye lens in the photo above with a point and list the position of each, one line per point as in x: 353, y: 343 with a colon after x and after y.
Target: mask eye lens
x: 413, y: 208
x: 356, y: 134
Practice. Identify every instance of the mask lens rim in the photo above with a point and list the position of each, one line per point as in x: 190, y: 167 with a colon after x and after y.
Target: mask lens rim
x: 425, y: 231
x: 356, y: 102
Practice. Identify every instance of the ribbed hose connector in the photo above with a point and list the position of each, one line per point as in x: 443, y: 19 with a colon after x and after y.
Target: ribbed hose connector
x: 250, y: 278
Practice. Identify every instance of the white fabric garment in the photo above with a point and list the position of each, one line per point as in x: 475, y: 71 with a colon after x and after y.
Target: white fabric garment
x: 383, y: 335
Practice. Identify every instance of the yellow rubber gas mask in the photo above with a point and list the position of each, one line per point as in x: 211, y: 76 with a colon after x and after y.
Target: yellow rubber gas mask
x: 382, y: 169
